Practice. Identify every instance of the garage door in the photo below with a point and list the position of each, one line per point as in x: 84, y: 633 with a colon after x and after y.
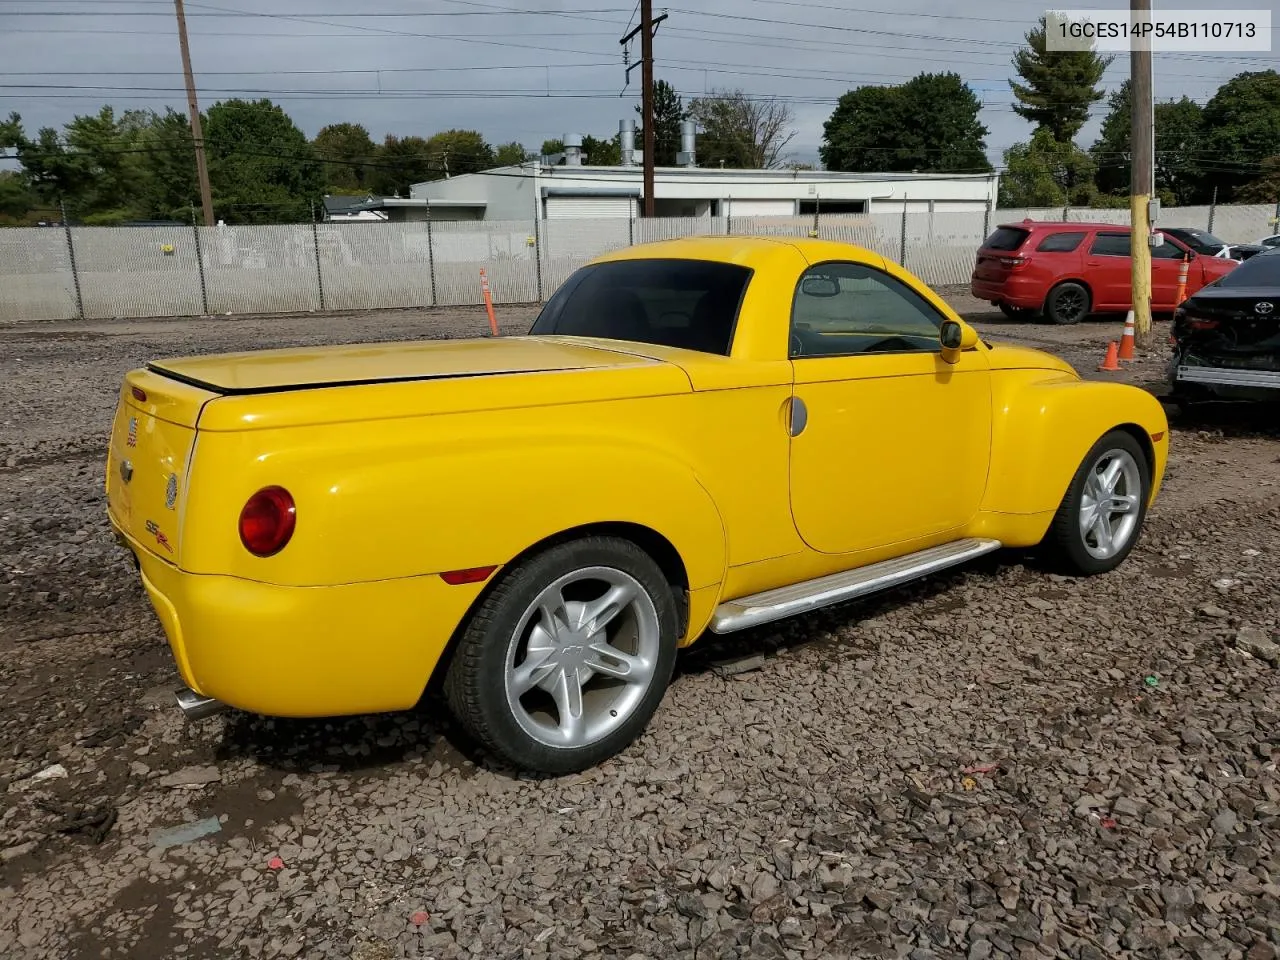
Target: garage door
x: 580, y: 208
x: 762, y: 208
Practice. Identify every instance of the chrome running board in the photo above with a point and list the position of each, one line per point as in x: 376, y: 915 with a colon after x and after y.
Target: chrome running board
x: 837, y: 587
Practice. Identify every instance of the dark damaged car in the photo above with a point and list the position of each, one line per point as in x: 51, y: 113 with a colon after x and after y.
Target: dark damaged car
x: 1227, y: 336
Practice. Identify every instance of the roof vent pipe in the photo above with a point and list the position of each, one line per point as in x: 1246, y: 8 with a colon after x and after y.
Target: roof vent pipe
x: 627, y: 141
x: 573, y: 149
x: 688, y: 139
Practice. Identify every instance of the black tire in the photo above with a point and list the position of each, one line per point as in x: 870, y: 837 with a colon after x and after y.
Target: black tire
x: 1066, y: 545
x: 1067, y: 303
x: 476, y: 683
x: 1021, y: 314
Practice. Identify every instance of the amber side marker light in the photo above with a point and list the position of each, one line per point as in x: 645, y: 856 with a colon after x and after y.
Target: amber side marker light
x: 267, y: 521
x: 1157, y: 437
x: 456, y: 578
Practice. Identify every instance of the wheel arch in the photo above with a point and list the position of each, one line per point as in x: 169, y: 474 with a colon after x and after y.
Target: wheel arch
x: 1052, y: 421
x: 655, y: 544
x: 1144, y: 441
x: 1088, y: 288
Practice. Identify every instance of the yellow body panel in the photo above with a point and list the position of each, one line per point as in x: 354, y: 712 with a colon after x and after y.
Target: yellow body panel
x: 411, y: 460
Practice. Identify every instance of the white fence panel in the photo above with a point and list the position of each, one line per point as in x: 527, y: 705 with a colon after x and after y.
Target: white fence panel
x: 568, y: 244
x: 366, y: 266
x: 260, y: 269
x: 503, y: 248
x: 1242, y: 224
x: 138, y: 271
x: 36, y: 282
x: 155, y: 271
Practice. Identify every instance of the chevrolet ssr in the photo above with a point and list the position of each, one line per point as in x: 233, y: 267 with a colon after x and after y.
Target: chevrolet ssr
x: 699, y: 434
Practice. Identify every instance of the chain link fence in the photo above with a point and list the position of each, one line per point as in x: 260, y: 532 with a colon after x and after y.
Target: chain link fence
x: 66, y: 273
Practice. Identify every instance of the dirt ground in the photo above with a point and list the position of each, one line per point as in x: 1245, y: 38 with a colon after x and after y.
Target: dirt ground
x: 997, y: 762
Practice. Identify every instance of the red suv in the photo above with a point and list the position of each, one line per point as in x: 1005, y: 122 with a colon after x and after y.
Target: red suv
x: 1070, y: 270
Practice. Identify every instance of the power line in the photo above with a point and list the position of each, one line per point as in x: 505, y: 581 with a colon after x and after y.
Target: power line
x: 225, y: 13
x: 257, y: 73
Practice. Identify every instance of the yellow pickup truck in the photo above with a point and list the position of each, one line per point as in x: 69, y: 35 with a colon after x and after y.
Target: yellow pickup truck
x: 701, y: 434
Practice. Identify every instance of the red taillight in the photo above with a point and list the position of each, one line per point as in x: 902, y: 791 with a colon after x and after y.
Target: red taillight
x: 456, y: 578
x: 1203, y: 324
x: 267, y: 521
x: 139, y: 394
x: 1013, y: 263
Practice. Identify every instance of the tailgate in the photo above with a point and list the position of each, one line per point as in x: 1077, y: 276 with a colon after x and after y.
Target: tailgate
x: 152, y: 439
x: 990, y: 266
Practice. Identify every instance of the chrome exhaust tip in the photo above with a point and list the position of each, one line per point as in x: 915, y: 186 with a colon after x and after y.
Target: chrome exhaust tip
x: 196, y: 707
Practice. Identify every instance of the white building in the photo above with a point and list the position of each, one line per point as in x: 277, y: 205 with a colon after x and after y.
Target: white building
x: 514, y: 193
x: 575, y: 190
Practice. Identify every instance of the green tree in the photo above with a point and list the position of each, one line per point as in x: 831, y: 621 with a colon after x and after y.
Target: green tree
x: 348, y: 152
x: 96, y: 167
x: 261, y: 167
x: 510, y: 154
x: 168, y: 188
x: 1045, y: 172
x: 461, y: 151
x: 402, y: 162
x: 596, y: 152
x: 16, y: 198
x: 1059, y: 86
x: 602, y: 153
x: 929, y: 124
x: 1242, y: 127
x: 1179, y: 135
x: 668, y: 112
x: 1266, y: 188
x: 740, y: 131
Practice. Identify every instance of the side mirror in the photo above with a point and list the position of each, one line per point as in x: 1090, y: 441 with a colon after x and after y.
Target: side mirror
x: 955, y: 339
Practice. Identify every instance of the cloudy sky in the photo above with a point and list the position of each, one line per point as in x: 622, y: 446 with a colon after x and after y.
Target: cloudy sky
x: 534, y: 70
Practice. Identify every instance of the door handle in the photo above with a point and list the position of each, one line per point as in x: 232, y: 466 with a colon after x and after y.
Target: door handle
x: 799, y: 417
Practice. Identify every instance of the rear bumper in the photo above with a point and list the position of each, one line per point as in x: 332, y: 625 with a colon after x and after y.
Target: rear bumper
x: 1011, y: 291
x: 304, y: 651
x: 1226, y: 377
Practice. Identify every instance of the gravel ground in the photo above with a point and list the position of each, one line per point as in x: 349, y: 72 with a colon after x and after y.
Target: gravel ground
x: 997, y: 762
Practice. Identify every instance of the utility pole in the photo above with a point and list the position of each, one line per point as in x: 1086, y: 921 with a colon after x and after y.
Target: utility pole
x: 197, y: 134
x: 1142, y: 150
x: 648, y: 26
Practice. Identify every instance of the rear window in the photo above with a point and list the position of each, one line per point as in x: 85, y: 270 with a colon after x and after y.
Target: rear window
x: 1260, y: 270
x: 1199, y: 241
x: 691, y: 304
x: 1060, y: 242
x: 1111, y: 245
x: 1006, y: 238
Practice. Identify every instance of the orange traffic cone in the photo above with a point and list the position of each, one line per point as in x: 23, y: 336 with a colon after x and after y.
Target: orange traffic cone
x: 1126, y: 341
x: 1111, y: 362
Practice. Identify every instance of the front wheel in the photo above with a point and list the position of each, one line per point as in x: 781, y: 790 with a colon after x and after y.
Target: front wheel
x: 1099, y: 519
x: 566, y: 660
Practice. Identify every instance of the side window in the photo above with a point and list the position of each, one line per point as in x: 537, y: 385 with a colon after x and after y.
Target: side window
x: 1167, y: 251
x: 1060, y: 242
x: 1110, y: 245
x: 841, y: 309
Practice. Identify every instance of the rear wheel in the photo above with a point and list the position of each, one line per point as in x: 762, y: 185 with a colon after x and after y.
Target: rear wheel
x: 1099, y: 519
x: 1067, y: 303
x: 567, y: 659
